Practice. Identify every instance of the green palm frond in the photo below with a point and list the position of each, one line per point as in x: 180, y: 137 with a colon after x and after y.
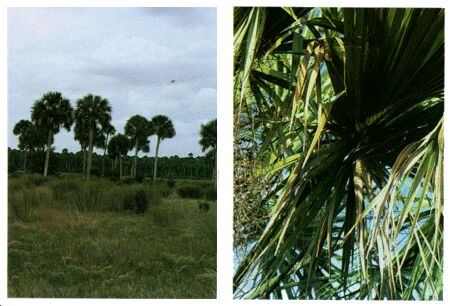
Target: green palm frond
x: 339, y: 112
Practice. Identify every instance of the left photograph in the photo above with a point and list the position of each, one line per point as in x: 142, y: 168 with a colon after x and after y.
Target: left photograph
x: 112, y: 152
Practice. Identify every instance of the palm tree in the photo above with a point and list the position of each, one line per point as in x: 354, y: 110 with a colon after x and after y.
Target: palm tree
x: 118, y: 146
x: 163, y: 129
x: 52, y: 112
x: 30, y: 137
x: 82, y: 136
x: 138, y: 129
x: 339, y: 152
x: 81, y: 131
x: 208, y: 141
x: 95, y: 113
x: 106, y: 131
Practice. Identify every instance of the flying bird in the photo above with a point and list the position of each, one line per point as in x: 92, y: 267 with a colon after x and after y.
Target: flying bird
x: 173, y: 81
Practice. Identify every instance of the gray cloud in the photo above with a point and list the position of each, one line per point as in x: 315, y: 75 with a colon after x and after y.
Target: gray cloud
x: 183, y: 16
x: 128, y: 55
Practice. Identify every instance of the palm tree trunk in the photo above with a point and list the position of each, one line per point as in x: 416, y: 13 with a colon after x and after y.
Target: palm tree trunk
x: 47, y: 155
x: 104, y: 154
x: 91, y: 145
x: 25, y: 162
x: 155, y: 169
x: 103, y: 163
x: 215, y: 166
x: 120, y: 173
x: 133, y: 169
x: 84, y: 160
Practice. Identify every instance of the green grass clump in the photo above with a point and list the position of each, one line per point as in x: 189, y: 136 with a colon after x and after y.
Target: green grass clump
x: 190, y: 192
x: 197, y: 190
x: 171, y: 182
x: 139, y: 178
x: 74, y: 193
x: 141, y: 201
x: 203, y: 206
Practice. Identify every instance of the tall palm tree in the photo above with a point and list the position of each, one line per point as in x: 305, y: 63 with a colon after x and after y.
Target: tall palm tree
x: 138, y: 129
x: 338, y: 153
x: 208, y: 141
x: 163, y: 129
x: 118, y: 146
x: 51, y: 112
x: 81, y: 131
x: 106, y: 132
x: 81, y: 134
x: 30, y: 137
x: 95, y: 113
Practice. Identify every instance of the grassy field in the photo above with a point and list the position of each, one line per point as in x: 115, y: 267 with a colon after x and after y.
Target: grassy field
x: 71, y: 238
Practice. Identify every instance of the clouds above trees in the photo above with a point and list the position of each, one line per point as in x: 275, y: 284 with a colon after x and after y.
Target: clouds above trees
x: 128, y: 55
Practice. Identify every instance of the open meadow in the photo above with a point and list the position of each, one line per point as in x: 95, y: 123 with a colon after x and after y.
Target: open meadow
x: 69, y: 237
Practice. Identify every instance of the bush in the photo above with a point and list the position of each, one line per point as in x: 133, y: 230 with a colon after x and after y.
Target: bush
x: 190, y: 192
x: 141, y: 201
x: 95, y: 172
x: 75, y: 193
x: 203, y: 206
x: 139, y: 177
x: 171, y: 183
x: 114, y: 178
x: 128, y: 180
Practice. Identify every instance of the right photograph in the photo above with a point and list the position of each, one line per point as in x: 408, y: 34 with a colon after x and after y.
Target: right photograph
x: 338, y: 153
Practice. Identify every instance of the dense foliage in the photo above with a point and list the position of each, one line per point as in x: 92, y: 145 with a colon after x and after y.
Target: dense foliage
x: 339, y: 152
x: 199, y: 167
x: 92, y: 118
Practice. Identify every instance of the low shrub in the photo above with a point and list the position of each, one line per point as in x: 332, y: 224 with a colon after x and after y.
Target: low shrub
x: 75, y: 193
x: 128, y: 180
x: 171, y: 182
x: 203, y: 206
x: 139, y: 178
x: 141, y: 201
x: 190, y: 192
x: 95, y: 172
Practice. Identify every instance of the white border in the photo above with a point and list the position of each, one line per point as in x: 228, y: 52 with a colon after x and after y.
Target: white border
x: 225, y: 150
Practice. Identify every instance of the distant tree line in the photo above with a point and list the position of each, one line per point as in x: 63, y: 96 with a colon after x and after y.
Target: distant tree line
x: 92, y: 128
x: 190, y: 167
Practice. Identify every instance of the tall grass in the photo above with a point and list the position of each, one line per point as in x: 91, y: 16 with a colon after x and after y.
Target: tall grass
x: 73, y: 238
x: 197, y: 190
x: 26, y: 193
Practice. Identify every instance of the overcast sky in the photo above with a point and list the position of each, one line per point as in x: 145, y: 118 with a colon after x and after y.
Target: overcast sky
x: 128, y: 55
